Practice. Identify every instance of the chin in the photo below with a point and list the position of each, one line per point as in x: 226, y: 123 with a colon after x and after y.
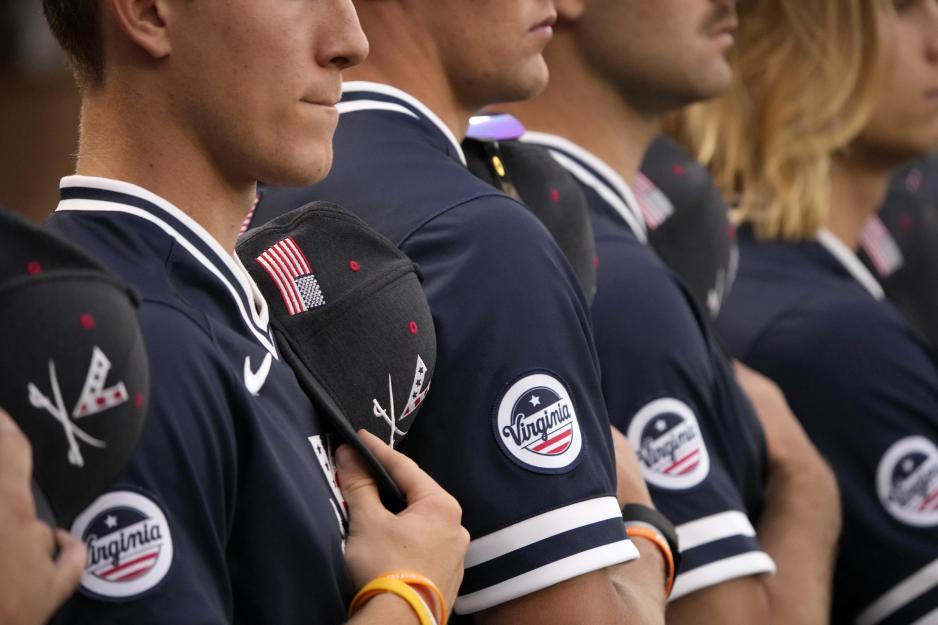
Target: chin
x: 299, y: 171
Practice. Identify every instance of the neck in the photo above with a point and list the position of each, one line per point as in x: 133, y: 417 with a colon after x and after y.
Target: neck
x: 857, y: 191
x: 403, y: 58
x: 577, y: 94
x: 124, y: 140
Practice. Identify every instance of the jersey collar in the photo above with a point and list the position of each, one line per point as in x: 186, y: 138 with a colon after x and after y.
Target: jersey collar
x: 361, y: 95
x: 592, y: 171
x: 849, y: 261
x: 103, y: 195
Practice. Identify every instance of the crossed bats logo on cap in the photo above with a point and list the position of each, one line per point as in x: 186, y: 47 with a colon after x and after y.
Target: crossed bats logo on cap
x: 94, y: 399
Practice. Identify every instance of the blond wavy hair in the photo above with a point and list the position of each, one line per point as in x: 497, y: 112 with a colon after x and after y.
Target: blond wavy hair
x: 806, y: 78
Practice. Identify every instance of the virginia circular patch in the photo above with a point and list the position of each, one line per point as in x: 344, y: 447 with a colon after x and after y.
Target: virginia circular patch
x: 670, y: 447
x: 536, y: 424
x: 907, y: 481
x: 129, y: 545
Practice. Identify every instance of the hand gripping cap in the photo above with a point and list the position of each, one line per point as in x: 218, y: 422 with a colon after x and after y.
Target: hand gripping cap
x: 75, y: 372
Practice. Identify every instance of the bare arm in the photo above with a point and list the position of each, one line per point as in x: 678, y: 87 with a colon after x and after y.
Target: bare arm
x: 798, y: 529
x: 627, y: 594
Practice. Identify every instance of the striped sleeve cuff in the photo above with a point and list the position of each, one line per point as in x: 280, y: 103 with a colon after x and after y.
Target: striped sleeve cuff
x: 716, y: 549
x: 542, y: 551
x: 923, y: 581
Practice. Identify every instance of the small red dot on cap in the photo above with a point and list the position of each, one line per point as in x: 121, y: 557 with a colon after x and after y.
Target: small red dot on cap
x: 730, y: 231
x: 87, y: 321
x: 138, y: 400
x: 413, y: 327
x: 33, y: 267
x: 554, y: 195
x: 354, y: 266
x: 905, y: 221
x: 679, y: 169
x: 595, y: 262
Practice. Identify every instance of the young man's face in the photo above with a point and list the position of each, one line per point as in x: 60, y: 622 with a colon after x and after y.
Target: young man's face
x: 254, y: 82
x: 492, y: 49
x: 661, y: 54
x: 905, y: 122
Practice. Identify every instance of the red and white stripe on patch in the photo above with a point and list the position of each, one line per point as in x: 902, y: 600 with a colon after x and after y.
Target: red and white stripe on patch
x: 288, y: 267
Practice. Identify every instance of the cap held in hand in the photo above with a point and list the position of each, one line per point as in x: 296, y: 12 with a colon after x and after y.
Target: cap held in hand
x: 76, y: 379
x: 350, y: 317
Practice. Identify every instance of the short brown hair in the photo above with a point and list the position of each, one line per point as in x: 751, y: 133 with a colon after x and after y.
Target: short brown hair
x: 77, y: 26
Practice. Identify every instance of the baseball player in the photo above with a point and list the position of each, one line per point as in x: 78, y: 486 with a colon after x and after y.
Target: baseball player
x: 514, y: 426
x: 229, y: 511
x: 805, y: 311
x: 729, y: 483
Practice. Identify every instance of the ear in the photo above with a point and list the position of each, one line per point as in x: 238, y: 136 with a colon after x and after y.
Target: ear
x: 570, y: 10
x: 144, y: 23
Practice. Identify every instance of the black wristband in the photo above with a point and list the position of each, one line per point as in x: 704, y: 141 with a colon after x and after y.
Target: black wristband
x: 637, y: 513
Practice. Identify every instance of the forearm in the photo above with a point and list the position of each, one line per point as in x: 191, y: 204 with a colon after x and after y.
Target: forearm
x: 639, y: 586
x: 799, y: 529
x: 627, y: 594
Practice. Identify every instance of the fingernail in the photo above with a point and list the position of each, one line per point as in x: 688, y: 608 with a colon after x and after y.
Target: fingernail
x: 343, y: 457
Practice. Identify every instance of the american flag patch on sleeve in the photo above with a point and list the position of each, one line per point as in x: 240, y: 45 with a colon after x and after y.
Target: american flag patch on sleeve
x: 288, y: 267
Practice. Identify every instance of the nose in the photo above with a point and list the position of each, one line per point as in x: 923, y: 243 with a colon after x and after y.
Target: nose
x: 345, y: 44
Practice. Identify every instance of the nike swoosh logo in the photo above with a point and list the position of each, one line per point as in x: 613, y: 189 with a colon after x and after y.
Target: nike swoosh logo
x: 254, y: 380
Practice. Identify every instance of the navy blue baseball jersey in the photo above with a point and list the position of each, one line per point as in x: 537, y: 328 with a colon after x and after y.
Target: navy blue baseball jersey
x: 514, y: 426
x: 861, y: 380
x: 228, y: 511
x: 668, y: 385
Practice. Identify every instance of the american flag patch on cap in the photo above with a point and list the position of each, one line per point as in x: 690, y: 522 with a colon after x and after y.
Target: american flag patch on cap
x: 290, y: 270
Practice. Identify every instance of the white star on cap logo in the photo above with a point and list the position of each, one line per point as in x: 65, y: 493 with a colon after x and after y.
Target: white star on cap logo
x: 535, y: 400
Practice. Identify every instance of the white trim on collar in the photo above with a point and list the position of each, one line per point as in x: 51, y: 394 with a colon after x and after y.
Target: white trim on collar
x: 354, y: 86
x: 848, y: 259
x: 259, y: 314
x: 611, y: 187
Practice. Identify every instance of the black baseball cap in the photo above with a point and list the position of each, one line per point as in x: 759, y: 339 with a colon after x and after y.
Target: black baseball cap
x: 530, y: 174
x: 688, y: 222
x: 350, y: 317
x: 76, y: 377
x: 900, y: 247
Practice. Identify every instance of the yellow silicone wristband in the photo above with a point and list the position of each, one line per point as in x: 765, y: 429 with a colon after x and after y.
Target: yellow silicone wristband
x: 381, y: 585
x: 422, y: 581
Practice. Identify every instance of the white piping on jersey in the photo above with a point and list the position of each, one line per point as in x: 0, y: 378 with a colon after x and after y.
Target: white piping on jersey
x: 908, y: 590
x: 538, y: 528
x: 712, y: 528
x: 929, y: 619
x: 354, y: 86
x: 373, y: 105
x: 547, y: 575
x: 850, y: 262
x: 257, y: 318
x: 734, y: 567
x: 612, y: 187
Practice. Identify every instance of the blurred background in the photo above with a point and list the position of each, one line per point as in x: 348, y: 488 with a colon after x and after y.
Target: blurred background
x: 38, y: 111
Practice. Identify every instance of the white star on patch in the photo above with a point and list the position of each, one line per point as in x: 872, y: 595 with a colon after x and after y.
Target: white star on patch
x: 535, y: 400
x: 660, y: 425
x: 907, y: 465
x: 111, y: 521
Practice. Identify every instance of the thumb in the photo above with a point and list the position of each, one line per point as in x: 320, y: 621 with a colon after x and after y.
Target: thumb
x: 68, y: 567
x: 356, y: 483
